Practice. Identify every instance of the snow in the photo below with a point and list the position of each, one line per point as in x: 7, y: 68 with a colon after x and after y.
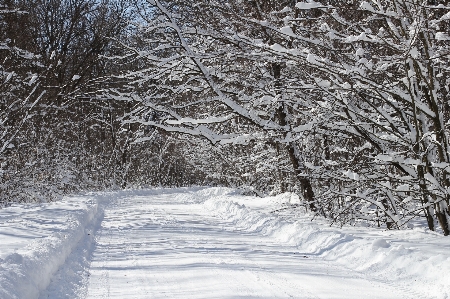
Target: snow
x: 446, y: 16
x: 286, y: 9
x: 356, y: 38
x: 310, y: 5
x: 311, y: 58
x: 9, y: 77
x: 278, y: 48
x: 366, y: 6
x: 359, y: 52
x: 265, y: 100
x: 385, y: 158
x: 36, y: 240
x: 442, y: 36
x: 287, y: 30
x: 208, y: 243
x: 208, y: 120
x: 33, y: 79
x: 352, y: 175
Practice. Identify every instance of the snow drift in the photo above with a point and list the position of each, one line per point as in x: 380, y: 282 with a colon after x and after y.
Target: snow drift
x: 54, y: 230
x: 416, y: 259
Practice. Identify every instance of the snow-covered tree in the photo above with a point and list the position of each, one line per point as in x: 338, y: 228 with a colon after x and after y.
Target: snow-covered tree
x: 50, y: 64
x: 353, y: 93
x: 380, y: 69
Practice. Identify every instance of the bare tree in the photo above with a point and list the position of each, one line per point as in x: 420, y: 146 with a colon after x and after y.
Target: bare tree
x: 355, y: 93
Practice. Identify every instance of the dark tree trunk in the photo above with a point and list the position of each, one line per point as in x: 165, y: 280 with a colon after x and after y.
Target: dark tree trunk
x: 442, y: 216
x: 305, y: 182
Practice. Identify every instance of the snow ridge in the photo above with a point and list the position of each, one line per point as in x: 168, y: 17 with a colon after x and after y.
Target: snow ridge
x: 27, y: 272
x: 408, y: 259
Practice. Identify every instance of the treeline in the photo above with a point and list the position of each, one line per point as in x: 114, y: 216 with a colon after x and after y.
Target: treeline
x: 343, y: 102
x: 57, y: 133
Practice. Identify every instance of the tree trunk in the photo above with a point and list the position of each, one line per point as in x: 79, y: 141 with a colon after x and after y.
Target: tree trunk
x: 281, y: 114
x: 442, y: 215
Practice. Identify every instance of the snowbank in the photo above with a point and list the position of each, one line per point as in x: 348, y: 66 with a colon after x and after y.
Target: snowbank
x: 415, y: 259
x: 38, y: 239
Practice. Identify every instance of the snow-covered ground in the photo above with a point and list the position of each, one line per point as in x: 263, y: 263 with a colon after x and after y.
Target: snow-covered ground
x: 208, y: 243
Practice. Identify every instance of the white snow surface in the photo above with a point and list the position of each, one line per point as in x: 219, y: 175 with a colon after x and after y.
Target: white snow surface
x: 208, y: 243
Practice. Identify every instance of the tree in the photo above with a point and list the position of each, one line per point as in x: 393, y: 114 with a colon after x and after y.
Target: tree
x: 19, y: 87
x: 53, y: 152
x: 355, y: 93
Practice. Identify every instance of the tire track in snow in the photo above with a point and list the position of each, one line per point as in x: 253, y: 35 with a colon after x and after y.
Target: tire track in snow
x: 265, y: 278
x: 170, y: 249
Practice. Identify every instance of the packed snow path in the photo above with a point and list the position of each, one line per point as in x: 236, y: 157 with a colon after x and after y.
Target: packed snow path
x: 161, y: 247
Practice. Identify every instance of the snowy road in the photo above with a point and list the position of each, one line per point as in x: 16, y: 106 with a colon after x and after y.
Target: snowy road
x: 159, y: 247
x: 208, y: 243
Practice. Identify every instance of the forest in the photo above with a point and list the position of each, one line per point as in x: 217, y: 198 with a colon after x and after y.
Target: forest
x: 342, y: 102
